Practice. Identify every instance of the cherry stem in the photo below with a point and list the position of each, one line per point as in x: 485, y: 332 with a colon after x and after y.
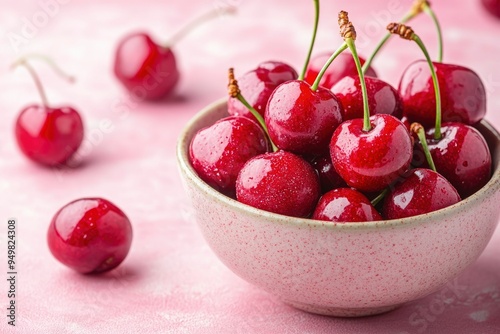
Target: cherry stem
x: 315, y: 30
x: 406, y: 32
x: 316, y: 82
x: 180, y: 34
x: 437, y: 92
x: 419, y: 130
x: 380, y: 197
x: 416, y: 9
x: 36, y: 78
x: 428, y: 10
x: 366, y: 109
x: 234, y: 91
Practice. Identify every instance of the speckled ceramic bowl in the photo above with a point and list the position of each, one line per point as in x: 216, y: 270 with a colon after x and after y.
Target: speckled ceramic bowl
x: 351, y: 269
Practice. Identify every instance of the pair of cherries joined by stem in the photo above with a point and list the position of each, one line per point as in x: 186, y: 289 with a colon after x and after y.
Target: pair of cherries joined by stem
x: 45, y: 134
x: 149, y: 70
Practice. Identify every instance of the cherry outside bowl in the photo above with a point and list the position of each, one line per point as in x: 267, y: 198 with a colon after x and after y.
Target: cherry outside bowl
x: 350, y: 269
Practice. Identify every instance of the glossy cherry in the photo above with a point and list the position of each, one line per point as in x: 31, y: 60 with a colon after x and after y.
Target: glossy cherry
x: 279, y: 182
x: 90, y: 235
x: 257, y: 86
x: 463, y: 97
x: 218, y: 153
x: 146, y: 69
x: 420, y: 191
x: 301, y: 120
x: 345, y: 205
x: 382, y: 97
x: 48, y: 135
x: 493, y: 7
x: 341, y: 67
x: 369, y: 153
x: 371, y: 160
x: 328, y: 177
x: 461, y: 155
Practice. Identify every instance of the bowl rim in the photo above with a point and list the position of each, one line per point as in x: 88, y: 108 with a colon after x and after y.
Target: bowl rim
x: 182, y: 149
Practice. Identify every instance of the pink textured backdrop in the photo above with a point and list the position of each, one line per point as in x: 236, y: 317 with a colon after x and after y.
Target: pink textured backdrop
x: 171, y: 282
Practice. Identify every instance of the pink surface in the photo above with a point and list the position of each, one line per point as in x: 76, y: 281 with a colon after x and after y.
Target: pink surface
x: 171, y: 282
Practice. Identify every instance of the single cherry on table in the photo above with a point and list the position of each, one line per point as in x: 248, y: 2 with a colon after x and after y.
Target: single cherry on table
x: 90, y: 235
x: 45, y: 134
x: 147, y: 69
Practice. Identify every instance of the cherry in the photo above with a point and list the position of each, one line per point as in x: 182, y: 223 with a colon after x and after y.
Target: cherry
x: 328, y: 177
x: 279, y: 182
x: 90, y: 235
x: 463, y: 95
x: 257, y: 86
x: 218, y: 153
x: 301, y: 119
x: 382, y: 97
x: 492, y: 6
x: 369, y: 153
x: 459, y: 151
x: 147, y: 69
x: 422, y: 191
x: 47, y: 135
x: 345, y: 205
x: 462, y: 156
x: 342, y: 67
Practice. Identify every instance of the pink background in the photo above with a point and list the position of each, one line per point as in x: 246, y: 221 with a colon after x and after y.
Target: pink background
x: 171, y: 282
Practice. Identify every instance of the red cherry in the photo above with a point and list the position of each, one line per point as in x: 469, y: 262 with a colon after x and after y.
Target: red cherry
x: 345, y: 205
x: 301, y: 120
x: 341, y: 67
x: 382, y: 97
x: 146, y: 69
x: 463, y: 97
x: 462, y: 156
x: 218, y: 153
x: 371, y: 160
x: 257, y: 86
x: 90, y: 235
x: 493, y: 7
x: 49, y: 136
x: 279, y: 182
x: 420, y: 191
x: 328, y: 177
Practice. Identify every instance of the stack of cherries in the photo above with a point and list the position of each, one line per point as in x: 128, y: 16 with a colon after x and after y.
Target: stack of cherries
x: 336, y: 143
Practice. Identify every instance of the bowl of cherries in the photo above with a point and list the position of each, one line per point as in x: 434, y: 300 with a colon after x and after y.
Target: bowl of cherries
x: 345, y: 200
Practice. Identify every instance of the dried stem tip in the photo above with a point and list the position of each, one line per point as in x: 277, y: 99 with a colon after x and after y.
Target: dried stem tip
x: 232, y: 86
x: 415, y: 128
x: 418, y: 6
x: 346, y: 28
x: 402, y: 30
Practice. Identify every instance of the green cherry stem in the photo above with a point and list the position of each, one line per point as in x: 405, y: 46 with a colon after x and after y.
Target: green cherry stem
x: 380, y: 197
x: 428, y: 10
x: 419, y: 130
x: 417, y: 8
x: 348, y: 32
x: 214, y: 13
x: 406, y: 32
x: 23, y: 61
x: 316, y: 82
x: 234, y: 91
x: 315, y: 30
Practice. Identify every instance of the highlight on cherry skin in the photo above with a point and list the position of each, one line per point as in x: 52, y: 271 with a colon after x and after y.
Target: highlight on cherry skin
x: 90, y: 235
x: 45, y: 134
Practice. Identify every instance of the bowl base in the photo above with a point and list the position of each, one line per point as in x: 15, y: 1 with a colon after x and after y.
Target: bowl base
x: 342, y: 312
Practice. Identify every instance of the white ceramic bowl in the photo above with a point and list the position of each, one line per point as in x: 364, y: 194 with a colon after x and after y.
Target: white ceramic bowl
x: 350, y: 269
